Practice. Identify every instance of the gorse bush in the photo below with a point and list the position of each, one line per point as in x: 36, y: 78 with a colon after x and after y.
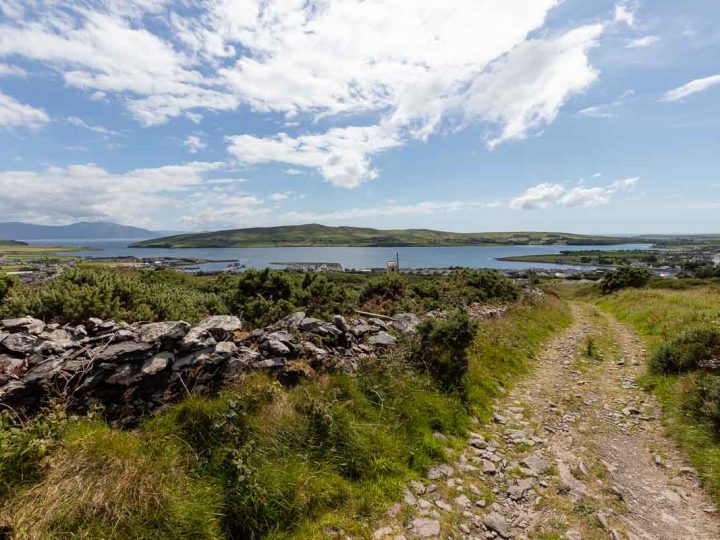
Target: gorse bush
x: 624, y: 278
x: 7, y: 282
x: 260, y: 297
x: 421, y: 295
x: 687, y: 352
x: 264, y: 296
x: 442, y: 349
x: 80, y: 293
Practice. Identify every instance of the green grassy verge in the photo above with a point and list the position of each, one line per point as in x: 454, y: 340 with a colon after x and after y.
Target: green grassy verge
x: 659, y: 315
x: 321, y: 460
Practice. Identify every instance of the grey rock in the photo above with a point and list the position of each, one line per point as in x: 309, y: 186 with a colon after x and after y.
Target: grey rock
x: 219, y: 325
x: 193, y: 358
x: 160, y: 331
x: 488, y: 467
x: 517, y: 491
x: 43, y: 371
x: 341, y: 323
x: 58, y: 335
x: 93, y: 323
x: 271, y: 363
x: 496, y: 522
x: 197, y: 338
x: 406, y: 323
x: 274, y: 347
x: 123, y: 375
x: 79, y: 332
x: 124, y: 351
x: 536, y: 464
x: 382, y: 339
x: 313, y: 351
x: 24, y: 324
x: 9, y: 365
x: 318, y: 327
x: 291, y: 322
x: 156, y: 364
x: 20, y: 343
x: 426, y: 528
x: 379, y: 323
x: 12, y: 391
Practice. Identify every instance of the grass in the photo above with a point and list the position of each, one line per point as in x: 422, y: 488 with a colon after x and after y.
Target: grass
x: 14, y: 257
x: 323, y: 459
x: 659, y: 315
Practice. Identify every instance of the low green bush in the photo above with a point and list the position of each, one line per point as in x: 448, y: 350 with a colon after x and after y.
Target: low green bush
x: 7, y: 282
x: 702, y: 397
x: 442, y: 349
x: 80, y: 293
x: 687, y: 351
x: 623, y: 278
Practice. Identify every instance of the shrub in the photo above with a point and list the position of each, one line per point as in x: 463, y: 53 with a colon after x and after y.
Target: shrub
x: 82, y: 292
x: 442, y: 349
x: 623, y: 278
x: 7, y: 282
x: 687, y: 351
x: 702, y: 397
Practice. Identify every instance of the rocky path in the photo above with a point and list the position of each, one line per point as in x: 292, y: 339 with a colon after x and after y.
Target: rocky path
x: 575, y: 451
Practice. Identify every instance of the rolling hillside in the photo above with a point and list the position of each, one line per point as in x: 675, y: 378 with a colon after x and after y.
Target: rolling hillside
x: 322, y: 235
x: 83, y: 230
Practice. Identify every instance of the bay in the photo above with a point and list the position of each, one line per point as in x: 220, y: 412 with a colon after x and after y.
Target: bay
x: 349, y: 257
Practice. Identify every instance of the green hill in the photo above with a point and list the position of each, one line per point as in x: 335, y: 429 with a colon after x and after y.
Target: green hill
x: 322, y: 235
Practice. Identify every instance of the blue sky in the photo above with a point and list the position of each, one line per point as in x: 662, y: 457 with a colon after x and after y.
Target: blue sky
x: 469, y: 115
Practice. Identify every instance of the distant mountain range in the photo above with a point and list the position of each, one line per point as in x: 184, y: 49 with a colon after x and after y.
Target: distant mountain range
x: 322, y: 235
x: 86, y: 230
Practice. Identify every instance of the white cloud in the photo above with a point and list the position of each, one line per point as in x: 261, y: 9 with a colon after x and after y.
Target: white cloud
x: 6, y: 70
x: 413, y: 66
x: 550, y: 195
x: 607, y: 110
x: 294, y: 172
x: 194, y: 144
x: 278, y: 197
x: 645, y: 41
x: 341, y: 154
x: 527, y: 88
x: 79, y: 122
x: 16, y: 114
x: 625, y: 13
x: 693, y: 87
x: 540, y: 196
x: 61, y: 195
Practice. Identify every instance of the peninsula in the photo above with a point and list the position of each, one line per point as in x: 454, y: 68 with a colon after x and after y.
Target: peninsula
x: 323, y: 235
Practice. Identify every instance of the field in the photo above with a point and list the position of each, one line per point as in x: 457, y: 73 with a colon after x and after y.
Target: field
x: 660, y: 315
x: 14, y: 257
x: 320, y: 235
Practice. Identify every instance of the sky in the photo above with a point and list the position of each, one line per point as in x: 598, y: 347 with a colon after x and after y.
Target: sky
x: 587, y: 116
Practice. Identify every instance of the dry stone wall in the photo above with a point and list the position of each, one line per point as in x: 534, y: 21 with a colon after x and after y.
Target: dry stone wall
x: 132, y: 369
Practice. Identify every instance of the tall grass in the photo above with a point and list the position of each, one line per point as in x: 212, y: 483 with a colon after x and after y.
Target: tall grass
x: 262, y: 461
